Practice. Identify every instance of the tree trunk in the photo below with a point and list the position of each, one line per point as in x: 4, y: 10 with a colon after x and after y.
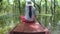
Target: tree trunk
x: 19, y: 5
x: 46, y: 12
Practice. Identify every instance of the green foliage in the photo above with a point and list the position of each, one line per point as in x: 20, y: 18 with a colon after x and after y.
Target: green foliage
x: 9, y: 13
